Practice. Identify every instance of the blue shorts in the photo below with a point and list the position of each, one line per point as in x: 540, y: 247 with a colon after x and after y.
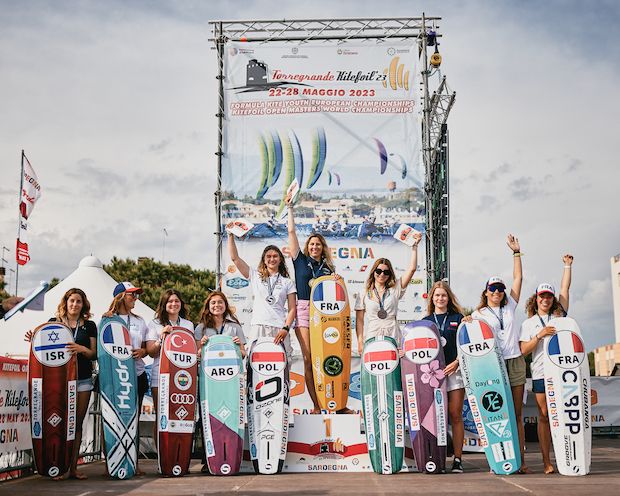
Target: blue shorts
x: 538, y: 386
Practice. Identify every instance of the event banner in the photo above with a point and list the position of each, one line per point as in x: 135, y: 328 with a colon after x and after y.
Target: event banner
x: 342, y: 120
x: 14, y: 413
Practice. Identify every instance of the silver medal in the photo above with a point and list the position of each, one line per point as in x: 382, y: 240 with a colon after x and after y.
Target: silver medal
x: 270, y: 299
x: 382, y: 314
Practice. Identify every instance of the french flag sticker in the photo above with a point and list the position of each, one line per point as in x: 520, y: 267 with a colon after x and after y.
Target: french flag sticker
x: 475, y: 338
x: 566, y: 350
x: 329, y: 297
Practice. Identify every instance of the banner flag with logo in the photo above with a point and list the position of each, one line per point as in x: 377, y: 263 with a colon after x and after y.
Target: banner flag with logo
x: 30, y: 193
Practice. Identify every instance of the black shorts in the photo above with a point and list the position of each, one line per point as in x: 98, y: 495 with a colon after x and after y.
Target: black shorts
x: 143, y: 386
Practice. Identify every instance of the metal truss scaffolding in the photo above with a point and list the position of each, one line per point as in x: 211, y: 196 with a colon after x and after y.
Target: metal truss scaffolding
x: 436, y: 105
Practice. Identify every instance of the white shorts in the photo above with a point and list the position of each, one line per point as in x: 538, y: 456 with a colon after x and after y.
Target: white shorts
x: 261, y: 331
x: 455, y: 381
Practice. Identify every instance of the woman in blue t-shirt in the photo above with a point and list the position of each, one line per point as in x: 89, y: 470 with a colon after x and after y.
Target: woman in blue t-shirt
x: 445, y: 311
x: 314, y: 261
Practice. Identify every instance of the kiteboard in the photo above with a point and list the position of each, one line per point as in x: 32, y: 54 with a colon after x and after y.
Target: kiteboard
x: 330, y: 341
x: 424, y: 385
x: 382, y: 403
x: 489, y: 395
x: 222, y: 402
x: 567, y: 386
x: 119, y: 397
x: 52, y: 378
x: 176, y: 407
x: 268, y: 405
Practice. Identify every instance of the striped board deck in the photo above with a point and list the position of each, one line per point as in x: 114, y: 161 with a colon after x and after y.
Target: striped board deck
x: 567, y: 389
x: 489, y: 395
x: 119, y: 397
x: 330, y: 341
x: 52, y: 379
x: 268, y: 405
x: 426, y: 401
x: 177, y: 401
x: 222, y: 402
x: 382, y: 403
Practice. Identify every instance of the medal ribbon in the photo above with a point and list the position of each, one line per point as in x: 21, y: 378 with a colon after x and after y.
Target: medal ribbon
x: 382, y: 299
x: 499, y: 317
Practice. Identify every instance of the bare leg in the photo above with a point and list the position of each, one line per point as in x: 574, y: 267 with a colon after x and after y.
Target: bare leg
x: 155, y: 396
x: 303, y: 336
x: 455, y: 410
x: 517, y: 398
x: 544, y: 432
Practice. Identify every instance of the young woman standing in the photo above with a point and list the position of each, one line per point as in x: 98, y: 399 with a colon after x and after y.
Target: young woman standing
x: 445, y: 311
x: 497, y: 308
x: 314, y: 261
x: 380, y: 300
x: 541, y: 307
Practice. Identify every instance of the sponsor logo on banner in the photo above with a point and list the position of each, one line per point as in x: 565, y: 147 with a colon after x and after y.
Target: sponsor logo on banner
x: 399, y: 421
x: 331, y: 335
x: 369, y: 421
x: 440, y: 416
x: 123, y: 396
x: 182, y: 399
x: 180, y: 349
x: 71, y: 409
x: 183, y: 380
x: 565, y: 349
x: 380, y: 357
x: 476, y: 338
x: 267, y: 358
x: 475, y: 412
x: 502, y: 451
x: 492, y: 401
x: 164, y: 393
x: 332, y: 366
x: 422, y: 348
x: 50, y: 345
x: 206, y: 429
x: 498, y: 428
x: 37, y: 407
x: 297, y: 384
x: 571, y: 399
x: 237, y: 283
x: 116, y: 341
x: 345, y: 252
x: 221, y: 362
x: 329, y: 297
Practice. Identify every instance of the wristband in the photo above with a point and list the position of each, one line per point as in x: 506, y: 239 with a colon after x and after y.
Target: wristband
x: 567, y: 266
x: 517, y: 254
x: 286, y: 328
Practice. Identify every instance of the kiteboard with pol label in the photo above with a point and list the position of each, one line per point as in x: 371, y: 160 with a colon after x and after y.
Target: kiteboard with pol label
x: 119, y: 397
x: 222, y: 402
x: 567, y: 388
x: 52, y: 378
x: 489, y: 395
x: 176, y: 407
x: 382, y: 403
x: 424, y: 385
x: 268, y: 405
x: 330, y: 341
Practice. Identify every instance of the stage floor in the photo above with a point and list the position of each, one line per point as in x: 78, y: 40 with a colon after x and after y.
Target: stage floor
x: 604, y: 479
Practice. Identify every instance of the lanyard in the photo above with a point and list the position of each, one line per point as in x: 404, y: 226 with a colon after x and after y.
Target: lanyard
x: 542, y: 321
x: 382, y: 299
x: 221, y: 329
x: 270, y: 287
x: 77, y: 326
x: 442, y: 327
x: 499, y: 317
x: 318, y: 271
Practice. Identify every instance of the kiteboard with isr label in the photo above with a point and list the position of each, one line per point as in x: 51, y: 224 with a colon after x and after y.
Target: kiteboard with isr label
x: 489, y: 395
x: 567, y: 390
x: 119, y: 397
x: 330, y: 341
x: 222, y: 401
x: 52, y: 379
x: 176, y: 408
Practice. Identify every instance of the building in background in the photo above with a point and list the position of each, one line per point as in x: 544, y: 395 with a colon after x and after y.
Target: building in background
x: 607, y: 358
x: 615, y: 290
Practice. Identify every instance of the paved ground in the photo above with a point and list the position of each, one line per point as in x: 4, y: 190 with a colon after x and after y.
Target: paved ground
x: 604, y: 480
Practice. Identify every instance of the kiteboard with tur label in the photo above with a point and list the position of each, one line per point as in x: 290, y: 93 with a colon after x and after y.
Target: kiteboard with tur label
x: 489, y: 395
x: 177, y: 401
x: 222, y: 401
x: 52, y: 378
x: 119, y: 397
x: 268, y: 405
x: 330, y: 341
x: 382, y: 403
x: 567, y: 388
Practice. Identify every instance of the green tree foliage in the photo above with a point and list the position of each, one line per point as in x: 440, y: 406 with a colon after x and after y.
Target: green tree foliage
x: 156, y: 277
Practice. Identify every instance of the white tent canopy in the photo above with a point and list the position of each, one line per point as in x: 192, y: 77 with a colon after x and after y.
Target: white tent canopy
x: 90, y: 278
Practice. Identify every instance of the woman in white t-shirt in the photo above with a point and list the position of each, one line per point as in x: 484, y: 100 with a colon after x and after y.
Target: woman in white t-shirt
x: 541, y: 307
x: 170, y: 312
x: 497, y: 308
x: 125, y: 297
x: 379, y: 303
x: 273, y: 310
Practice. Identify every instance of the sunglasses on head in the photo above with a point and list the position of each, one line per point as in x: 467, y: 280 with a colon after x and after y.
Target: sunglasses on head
x: 496, y: 287
x: 384, y: 272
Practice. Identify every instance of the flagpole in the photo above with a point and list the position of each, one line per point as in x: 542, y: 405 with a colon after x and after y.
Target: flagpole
x: 19, y: 221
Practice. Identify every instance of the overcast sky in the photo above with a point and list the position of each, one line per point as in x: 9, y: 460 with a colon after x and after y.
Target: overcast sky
x: 115, y: 106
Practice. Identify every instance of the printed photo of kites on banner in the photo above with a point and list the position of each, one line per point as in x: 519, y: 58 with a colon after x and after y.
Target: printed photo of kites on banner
x: 336, y: 200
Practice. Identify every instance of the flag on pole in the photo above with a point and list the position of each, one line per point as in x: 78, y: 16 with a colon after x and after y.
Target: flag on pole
x: 30, y: 193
